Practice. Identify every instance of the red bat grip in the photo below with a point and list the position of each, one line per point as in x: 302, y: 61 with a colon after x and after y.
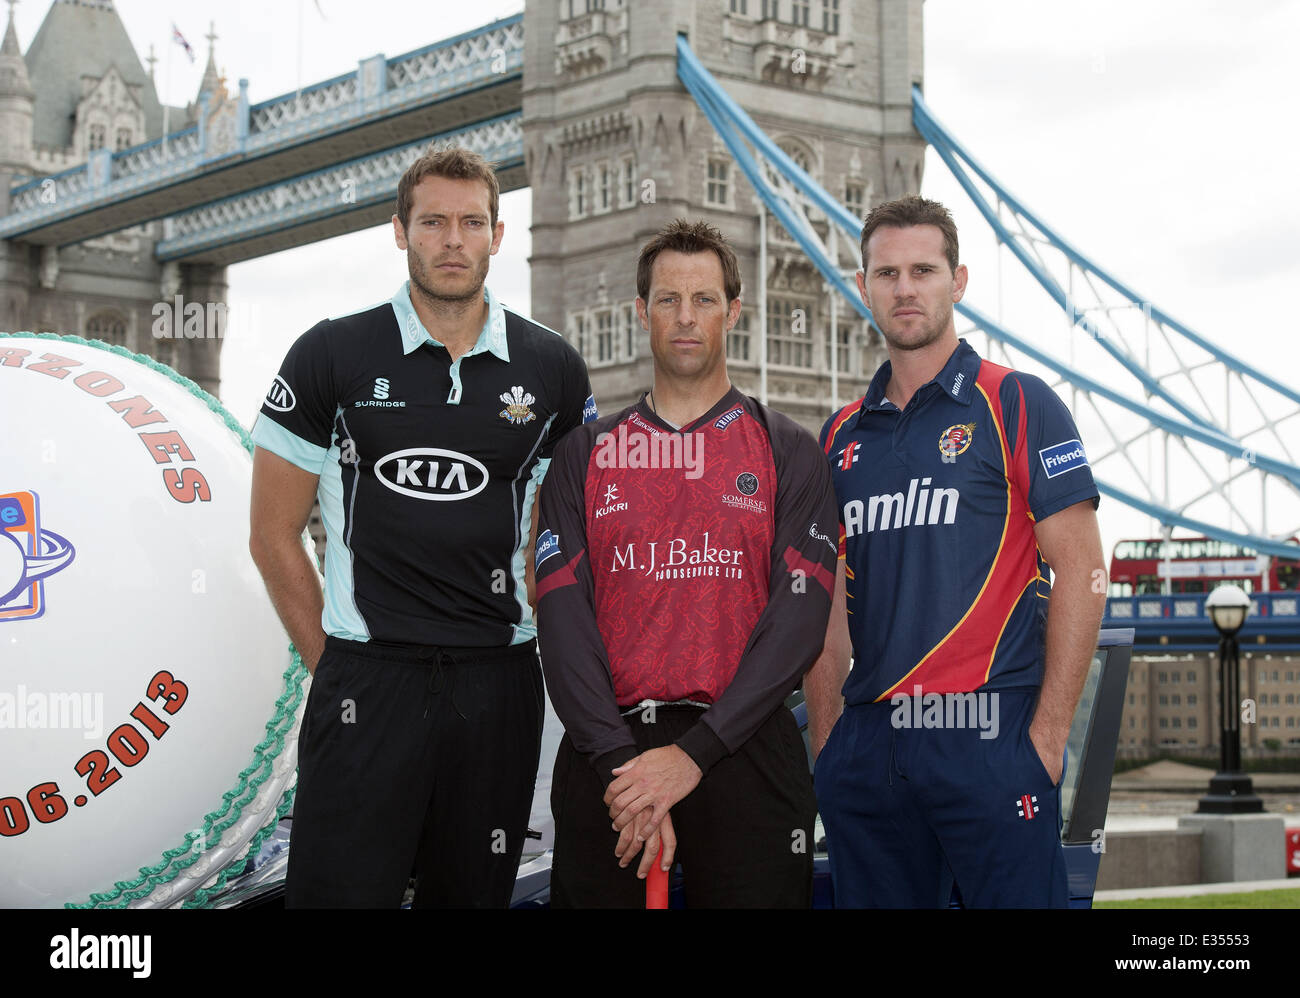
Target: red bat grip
x: 656, y: 884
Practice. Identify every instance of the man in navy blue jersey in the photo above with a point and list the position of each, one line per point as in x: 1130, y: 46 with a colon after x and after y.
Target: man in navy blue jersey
x: 959, y: 484
x: 424, y: 425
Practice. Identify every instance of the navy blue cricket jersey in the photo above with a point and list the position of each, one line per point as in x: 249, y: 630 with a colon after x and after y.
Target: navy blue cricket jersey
x: 428, y: 469
x: 946, y: 589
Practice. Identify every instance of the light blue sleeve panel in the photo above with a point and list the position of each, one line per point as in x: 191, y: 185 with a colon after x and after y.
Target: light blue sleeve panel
x: 273, y: 437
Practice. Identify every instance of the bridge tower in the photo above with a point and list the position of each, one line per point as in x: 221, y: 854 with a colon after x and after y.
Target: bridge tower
x: 616, y: 148
x: 80, y: 92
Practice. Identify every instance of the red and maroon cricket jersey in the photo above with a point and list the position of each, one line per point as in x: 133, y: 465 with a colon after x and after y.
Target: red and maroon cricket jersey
x: 682, y: 565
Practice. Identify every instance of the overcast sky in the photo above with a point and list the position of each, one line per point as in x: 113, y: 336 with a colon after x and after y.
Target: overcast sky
x: 1157, y: 136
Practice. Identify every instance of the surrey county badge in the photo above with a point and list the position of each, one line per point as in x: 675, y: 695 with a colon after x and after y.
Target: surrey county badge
x: 517, y: 402
x: 955, y: 440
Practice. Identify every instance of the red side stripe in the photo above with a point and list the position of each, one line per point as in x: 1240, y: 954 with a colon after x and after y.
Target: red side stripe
x: 960, y: 662
x: 560, y: 577
x: 842, y: 417
x: 796, y: 562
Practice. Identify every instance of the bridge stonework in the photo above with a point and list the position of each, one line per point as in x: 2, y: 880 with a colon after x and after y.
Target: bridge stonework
x: 610, y: 141
x: 615, y: 148
x: 80, y: 93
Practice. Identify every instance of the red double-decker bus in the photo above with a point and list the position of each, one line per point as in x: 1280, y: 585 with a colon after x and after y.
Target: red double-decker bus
x: 1196, y: 565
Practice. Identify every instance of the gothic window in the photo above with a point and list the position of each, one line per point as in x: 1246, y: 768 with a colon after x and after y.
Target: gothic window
x: 797, y: 152
x: 627, y: 183
x: 738, y: 341
x: 97, y: 137
x: 579, y: 193
x: 630, y: 324
x: 831, y: 16
x: 605, y: 337
x: 107, y: 326
x: 799, y: 12
x: 123, y: 139
x: 843, y: 357
x: 715, y: 191
x: 577, y: 8
x: 789, y: 341
x: 607, y: 183
x: 578, y: 336
x: 854, y: 196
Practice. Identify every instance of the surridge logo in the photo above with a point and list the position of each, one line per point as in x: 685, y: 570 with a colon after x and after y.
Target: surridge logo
x: 381, y: 388
x: 28, y: 555
x: 432, y: 473
x: 920, y: 507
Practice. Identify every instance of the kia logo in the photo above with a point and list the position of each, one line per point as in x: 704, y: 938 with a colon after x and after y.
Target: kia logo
x: 431, y: 473
x: 280, y: 397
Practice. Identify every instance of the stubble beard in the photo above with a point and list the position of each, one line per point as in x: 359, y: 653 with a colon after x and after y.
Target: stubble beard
x: 930, y: 332
x: 421, y: 281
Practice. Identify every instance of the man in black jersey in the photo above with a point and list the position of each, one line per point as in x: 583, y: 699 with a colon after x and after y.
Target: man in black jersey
x: 424, y: 425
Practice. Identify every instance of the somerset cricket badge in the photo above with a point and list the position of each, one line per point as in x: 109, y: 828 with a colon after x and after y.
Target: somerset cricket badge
x: 955, y: 440
x: 517, y: 402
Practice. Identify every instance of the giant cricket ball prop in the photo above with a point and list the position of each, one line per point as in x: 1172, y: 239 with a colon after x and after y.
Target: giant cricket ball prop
x: 148, y: 694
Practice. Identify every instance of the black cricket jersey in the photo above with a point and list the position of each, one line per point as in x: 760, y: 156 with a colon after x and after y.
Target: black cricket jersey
x: 428, y: 469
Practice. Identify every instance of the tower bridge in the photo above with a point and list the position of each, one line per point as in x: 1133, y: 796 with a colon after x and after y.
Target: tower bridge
x: 780, y: 122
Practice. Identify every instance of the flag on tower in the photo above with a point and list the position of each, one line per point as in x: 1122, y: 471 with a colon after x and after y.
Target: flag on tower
x: 179, y: 39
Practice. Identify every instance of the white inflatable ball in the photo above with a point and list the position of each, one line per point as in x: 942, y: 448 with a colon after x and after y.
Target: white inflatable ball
x: 143, y: 671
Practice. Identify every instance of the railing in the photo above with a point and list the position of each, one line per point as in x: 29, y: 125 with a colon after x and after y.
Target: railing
x: 149, y: 156
x: 331, y: 191
x: 1189, y: 608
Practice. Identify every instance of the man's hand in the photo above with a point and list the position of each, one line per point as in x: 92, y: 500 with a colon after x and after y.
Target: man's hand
x: 656, y: 779
x: 629, y: 844
x: 1050, y: 749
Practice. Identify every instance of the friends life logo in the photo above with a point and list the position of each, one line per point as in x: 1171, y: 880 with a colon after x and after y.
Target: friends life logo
x: 28, y: 556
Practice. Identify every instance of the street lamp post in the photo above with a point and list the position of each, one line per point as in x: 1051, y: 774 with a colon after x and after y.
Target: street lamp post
x: 1231, y: 791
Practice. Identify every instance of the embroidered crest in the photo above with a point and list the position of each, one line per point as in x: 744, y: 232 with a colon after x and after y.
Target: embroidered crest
x: 956, y: 439
x: 517, y: 402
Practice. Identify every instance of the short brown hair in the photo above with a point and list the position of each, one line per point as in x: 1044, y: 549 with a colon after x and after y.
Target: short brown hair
x: 909, y: 211
x: 682, y: 236
x: 454, y: 164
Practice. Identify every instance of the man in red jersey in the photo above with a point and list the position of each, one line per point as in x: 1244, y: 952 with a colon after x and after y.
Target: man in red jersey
x: 685, y: 560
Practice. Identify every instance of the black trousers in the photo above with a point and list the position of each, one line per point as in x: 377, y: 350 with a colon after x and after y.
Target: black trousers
x: 421, y: 758
x: 744, y: 834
